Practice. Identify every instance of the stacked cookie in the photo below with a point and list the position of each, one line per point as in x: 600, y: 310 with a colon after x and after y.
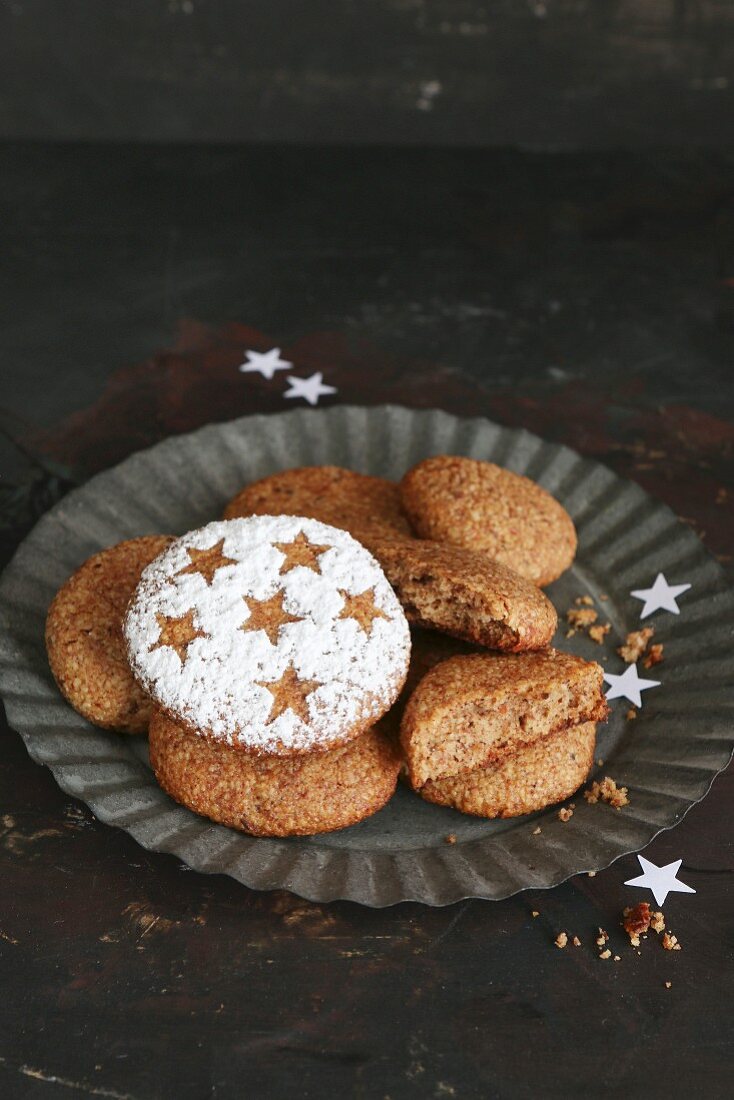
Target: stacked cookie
x: 267, y: 653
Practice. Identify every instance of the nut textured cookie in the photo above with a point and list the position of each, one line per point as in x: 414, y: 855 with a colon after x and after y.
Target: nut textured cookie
x: 354, y: 502
x: 461, y: 592
x: 271, y: 796
x: 481, y: 506
x: 535, y: 776
x: 276, y: 634
x: 84, y: 641
x: 475, y: 711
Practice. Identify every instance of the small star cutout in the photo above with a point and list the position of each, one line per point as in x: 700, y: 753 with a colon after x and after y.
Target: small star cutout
x: 206, y: 562
x: 268, y: 615
x: 289, y: 693
x: 177, y: 633
x: 300, y: 552
x: 362, y: 609
x: 629, y: 685
x: 311, y: 389
x: 661, y: 597
x: 661, y: 880
x: 264, y: 363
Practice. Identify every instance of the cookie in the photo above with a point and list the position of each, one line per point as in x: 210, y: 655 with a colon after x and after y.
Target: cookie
x: 535, y: 776
x: 84, y: 641
x: 271, y: 796
x: 354, y: 502
x: 460, y: 592
x: 481, y: 506
x: 277, y: 634
x: 472, y: 712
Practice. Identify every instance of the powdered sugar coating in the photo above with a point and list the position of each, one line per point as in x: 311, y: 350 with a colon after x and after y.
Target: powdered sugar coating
x: 217, y: 688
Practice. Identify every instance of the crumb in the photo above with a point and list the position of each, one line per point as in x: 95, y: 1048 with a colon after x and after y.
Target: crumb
x: 617, y: 958
x: 604, y: 597
x: 636, y: 921
x: 654, y: 655
x: 635, y: 644
x: 536, y: 831
x: 600, y: 763
x: 631, y: 714
x: 602, y: 938
x: 591, y: 874
x: 668, y: 985
x: 561, y: 939
x: 576, y: 941
x: 605, y: 954
x: 670, y: 942
x: 599, y: 633
x: 534, y: 913
x: 607, y: 791
x: 450, y: 839
x: 570, y: 633
x: 721, y: 496
x: 584, y: 601
x: 657, y: 922
x: 565, y: 814
x: 580, y: 618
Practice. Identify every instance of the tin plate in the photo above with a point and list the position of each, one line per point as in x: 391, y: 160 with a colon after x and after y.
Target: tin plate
x: 668, y: 757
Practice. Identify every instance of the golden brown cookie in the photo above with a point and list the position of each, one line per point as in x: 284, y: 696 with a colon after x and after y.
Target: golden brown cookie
x: 461, y: 592
x: 535, y: 776
x: 481, y: 506
x: 475, y: 711
x: 268, y: 796
x: 84, y: 640
x: 357, y: 503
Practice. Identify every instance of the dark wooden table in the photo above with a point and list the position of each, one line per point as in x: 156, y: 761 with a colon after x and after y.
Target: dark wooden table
x: 589, y: 298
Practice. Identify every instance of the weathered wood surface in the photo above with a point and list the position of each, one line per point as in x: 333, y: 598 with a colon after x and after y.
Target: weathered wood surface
x: 586, y: 298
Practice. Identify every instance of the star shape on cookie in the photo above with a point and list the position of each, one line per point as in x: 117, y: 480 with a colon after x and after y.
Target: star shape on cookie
x: 661, y: 880
x: 661, y: 597
x: 362, y: 609
x: 310, y: 389
x: 206, y: 562
x: 300, y: 552
x: 269, y: 616
x: 265, y: 363
x: 177, y: 633
x: 289, y: 693
x: 629, y: 685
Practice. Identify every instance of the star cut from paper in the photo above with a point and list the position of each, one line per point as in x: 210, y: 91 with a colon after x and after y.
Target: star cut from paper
x: 362, y: 609
x: 206, y: 562
x: 177, y: 633
x: 629, y: 685
x: 661, y: 597
x: 300, y: 552
x: 661, y: 880
x: 268, y: 615
x: 265, y: 363
x: 289, y: 693
x: 310, y: 389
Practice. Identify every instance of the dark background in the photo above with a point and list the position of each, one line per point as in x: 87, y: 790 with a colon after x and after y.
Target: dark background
x: 518, y: 210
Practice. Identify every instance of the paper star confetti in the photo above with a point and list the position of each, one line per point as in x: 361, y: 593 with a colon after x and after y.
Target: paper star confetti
x: 264, y: 363
x: 629, y: 685
x: 661, y: 597
x: 661, y: 880
x: 310, y: 389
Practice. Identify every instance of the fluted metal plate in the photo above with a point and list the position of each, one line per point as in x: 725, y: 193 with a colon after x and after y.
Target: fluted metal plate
x: 668, y: 757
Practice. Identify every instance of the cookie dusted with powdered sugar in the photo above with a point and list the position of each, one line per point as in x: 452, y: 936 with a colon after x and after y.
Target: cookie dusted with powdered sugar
x: 278, y: 635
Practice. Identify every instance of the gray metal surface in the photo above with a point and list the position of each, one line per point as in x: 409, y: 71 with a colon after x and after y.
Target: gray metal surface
x: 668, y: 757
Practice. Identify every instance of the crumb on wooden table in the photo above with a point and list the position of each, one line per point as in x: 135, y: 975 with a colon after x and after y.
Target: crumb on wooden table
x: 602, y: 938
x: 607, y: 791
x: 561, y: 939
x: 534, y: 913
x: 576, y: 941
x: 670, y: 942
x: 591, y: 874
x: 635, y: 644
x: 565, y: 813
x: 636, y: 921
x: 653, y: 656
x: 668, y: 985
x: 657, y: 922
x: 605, y: 954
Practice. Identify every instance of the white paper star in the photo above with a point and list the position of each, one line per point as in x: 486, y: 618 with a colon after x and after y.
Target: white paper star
x: 629, y: 685
x: 265, y: 363
x: 661, y: 597
x: 309, y: 388
x: 661, y: 880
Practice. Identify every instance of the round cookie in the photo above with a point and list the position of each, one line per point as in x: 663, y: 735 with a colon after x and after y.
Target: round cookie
x: 276, y: 634
x: 532, y: 778
x: 483, y: 507
x: 271, y: 796
x: 358, y: 503
x: 86, y: 649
